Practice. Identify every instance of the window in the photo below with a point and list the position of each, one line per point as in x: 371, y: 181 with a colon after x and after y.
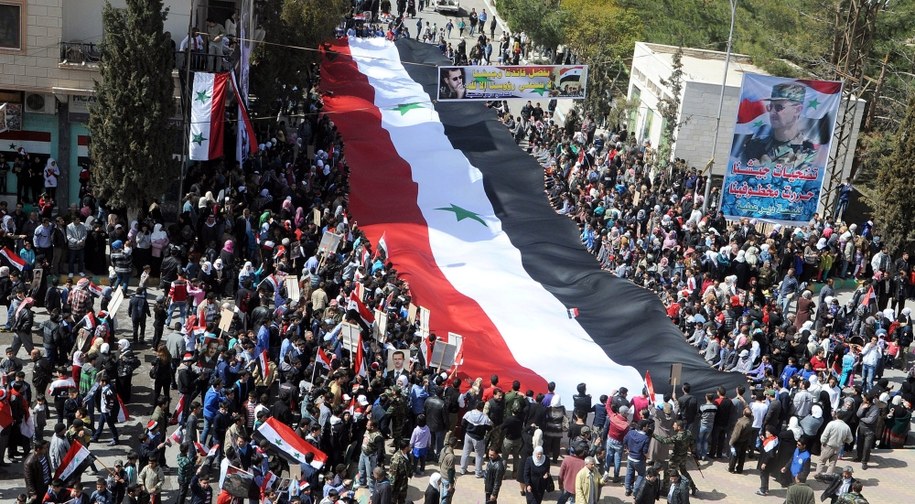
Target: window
x: 10, y: 26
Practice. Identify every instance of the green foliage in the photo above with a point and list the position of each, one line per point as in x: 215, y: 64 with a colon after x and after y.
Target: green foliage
x: 280, y: 67
x: 132, y: 137
x: 894, y: 207
x: 542, y: 20
x: 669, y: 108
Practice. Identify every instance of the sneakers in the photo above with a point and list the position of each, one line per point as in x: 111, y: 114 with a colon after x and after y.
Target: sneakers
x: 760, y: 492
x: 113, y: 442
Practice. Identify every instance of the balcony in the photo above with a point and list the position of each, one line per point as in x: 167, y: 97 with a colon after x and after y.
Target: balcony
x: 80, y: 54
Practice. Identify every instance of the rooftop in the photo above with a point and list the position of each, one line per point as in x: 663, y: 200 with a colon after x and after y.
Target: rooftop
x: 700, y: 65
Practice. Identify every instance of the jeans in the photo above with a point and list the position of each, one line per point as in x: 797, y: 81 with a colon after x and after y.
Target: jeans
x: 76, y: 261
x: 702, y: 442
x: 438, y: 442
x: 476, y: 446
x: 207, y: 425
x: 867, y: 376
x: 122, y: 280
x: 615, y: 454
x: 182, y: 311
x: 444, y: 489
x: 633, y: 468
x: 106, y: 418
x: 367, y: 464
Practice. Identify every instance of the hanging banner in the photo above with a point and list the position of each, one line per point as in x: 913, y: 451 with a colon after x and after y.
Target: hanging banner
x: 501, y: 82
x: 780, y: 150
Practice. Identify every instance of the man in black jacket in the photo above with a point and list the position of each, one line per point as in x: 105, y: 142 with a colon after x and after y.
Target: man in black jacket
x: 495, y: 472
x: 840, y: 486
x: 138, y: 311
x: 436, y: 420
x: 688, y: 409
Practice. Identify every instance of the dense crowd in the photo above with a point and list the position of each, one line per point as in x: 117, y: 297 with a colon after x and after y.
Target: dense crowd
x: 253, y: 290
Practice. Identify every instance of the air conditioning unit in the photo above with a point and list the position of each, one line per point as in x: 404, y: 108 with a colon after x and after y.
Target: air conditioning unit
x: 40, y: 103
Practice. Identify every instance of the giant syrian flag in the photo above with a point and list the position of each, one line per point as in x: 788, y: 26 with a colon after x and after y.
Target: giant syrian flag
x: 467, y: 224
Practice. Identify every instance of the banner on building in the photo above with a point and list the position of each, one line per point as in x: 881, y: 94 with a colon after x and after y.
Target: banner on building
x: 780, y: 150
x: 540, y: 82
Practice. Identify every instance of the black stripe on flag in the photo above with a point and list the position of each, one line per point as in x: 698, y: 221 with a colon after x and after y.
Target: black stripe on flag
x: 627, y: 321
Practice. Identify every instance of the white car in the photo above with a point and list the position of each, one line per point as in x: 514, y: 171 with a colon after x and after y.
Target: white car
x: 448, y: 6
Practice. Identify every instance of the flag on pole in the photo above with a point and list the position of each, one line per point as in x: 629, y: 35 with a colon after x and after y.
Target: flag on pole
x: 177, y: 437
x: 270, y: 479
x: 359, y: 362
x: 289, y: 444
x: 95, y: 290
x: 364, y: 313
x: 201, y: 450
x: 16, y: 261
x: 649, y: 387
x: 123, y: 414
x: 323, y: 358
x: 248, y: 130
x: 208, y: 116
x: 264, y: 362
x: 75, y: 457
x: 178, y: 410
x: 382, y: 247
x: 88, y: 321
x: 870, y: 295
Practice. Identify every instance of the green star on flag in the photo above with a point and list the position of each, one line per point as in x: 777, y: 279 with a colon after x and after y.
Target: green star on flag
x: 198, y: 138
x: 403, y: 108
x: 757, y: 124
x: 463, y: 213
x: 814, y: 103
x: 202, y: 96
x: 279, y: 442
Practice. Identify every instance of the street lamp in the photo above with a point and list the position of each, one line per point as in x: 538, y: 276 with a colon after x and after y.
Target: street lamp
x: 724, y: 81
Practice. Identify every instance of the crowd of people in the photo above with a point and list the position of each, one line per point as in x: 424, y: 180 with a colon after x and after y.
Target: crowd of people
x: 252, y: 310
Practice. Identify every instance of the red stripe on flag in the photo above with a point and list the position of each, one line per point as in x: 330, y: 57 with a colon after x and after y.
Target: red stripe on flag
x: 13, y: 258
x: 825, y: 87
x: 649, y: 386
x: 387, y: 204
x: 218, y: 115
x: 249, y: 128
x: 750, y: 110
x: 75, y: 456
x: 26, y: 136
x: 82, y: 140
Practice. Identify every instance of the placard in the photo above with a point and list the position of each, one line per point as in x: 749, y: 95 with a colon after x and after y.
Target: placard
x: 292, y: 288
x: 316, y: 217
x: 115, y: 304
x: 225, y: 320
x: 37, y: 273
x: 423, y: 329
x: 411, y: 313
x: 329, y: 243
x: 380, y: 328
x: 295, y: 250
x: 445, y: 352
x: 399, y: 360
x: 491, y: 82
x: 349, y: 336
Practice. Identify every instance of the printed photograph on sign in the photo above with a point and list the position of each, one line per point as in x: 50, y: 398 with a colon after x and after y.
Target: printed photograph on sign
x: 225, y: 320
x: 485, y: 82
x: 295, y: 250
x: 398, y: 361
x: 329, y: 243
x: 381, y: 325
x: 780, y: 150
x: 423, y: 321
x: 292, y: 288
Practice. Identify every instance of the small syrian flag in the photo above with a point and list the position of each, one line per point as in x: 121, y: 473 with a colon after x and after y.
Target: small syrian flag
x: 264, y: 362
x: 75, y: 457
x: 89, y: 321
x: 95, y: 290
x: 201, y: 450
x: 649, y: 387
x: 869, y: 297
x: 572, y: 312
x: 303, y: 485
x: 177, y: 437
x: 770, y: 443
x: 572, y: 74
x: 270, y: 480
x: 382, y: 247
x: 16, y: 261
x: 359, y: 362
x: 364, y: 313
x: 213, y: 450
x: 323, y: 358
x: 366, y: 258
x: 123, y: 414
x: 208, y: 116
x: 178, y: 410
x: 289, y: 444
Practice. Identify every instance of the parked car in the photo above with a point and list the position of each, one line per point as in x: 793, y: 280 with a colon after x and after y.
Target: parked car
x: 448, y: 6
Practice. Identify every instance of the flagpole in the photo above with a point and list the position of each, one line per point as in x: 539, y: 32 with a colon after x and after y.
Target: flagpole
x: 191, y: 37
x: 314, y: 370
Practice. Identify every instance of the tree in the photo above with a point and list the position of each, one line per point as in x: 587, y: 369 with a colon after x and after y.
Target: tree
x: 894, y: 207
x: 542, y: 20
x: 132, y: 137
x: 669, y: 108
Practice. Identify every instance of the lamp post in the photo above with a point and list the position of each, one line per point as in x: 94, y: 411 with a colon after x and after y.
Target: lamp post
x: 724, y: 81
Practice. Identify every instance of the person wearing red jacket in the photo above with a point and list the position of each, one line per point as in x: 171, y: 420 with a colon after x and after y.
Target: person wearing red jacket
x: 177, y: 294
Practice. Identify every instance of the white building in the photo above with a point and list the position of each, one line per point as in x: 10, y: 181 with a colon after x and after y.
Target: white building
x: 48, y: 55
x: 702, y: 74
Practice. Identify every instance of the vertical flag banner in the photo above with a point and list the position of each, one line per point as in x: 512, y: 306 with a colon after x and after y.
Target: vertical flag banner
x: 208, y: 116
x: 780, y: 150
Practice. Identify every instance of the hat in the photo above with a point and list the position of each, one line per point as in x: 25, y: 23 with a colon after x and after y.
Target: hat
x: 361, y: 399
x: 152, y: 424
x: 744, y: 353
x: 848, y: 469
x: 788, y: 91
x: 188, y: 357
x: 770, y: 393
x: 117, y: 244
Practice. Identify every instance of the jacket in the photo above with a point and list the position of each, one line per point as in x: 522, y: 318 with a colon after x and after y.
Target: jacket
x: 138, y: 309
x: 836, y: 434
x: 151, y: 479
x: 436, y: 418
x: 832, y: 489
x: 742, y: 435
x: 800, y: 493
x: 76, y: 235
x: 495, y: 472
x: 680, y: 493
x: 36, y: 479
x: 584, y: 481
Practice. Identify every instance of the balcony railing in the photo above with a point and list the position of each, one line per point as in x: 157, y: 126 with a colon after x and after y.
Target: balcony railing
x: 80, y: 53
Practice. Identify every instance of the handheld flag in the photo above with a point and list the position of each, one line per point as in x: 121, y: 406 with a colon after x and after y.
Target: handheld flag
x: 123, y: 414
x: 649, y: 387
x: 364, y: 313
x: 289, y: 444
x: 264, y: 362
x: 323, y: 358
x: 75, y: 457
x: 16, y: 261
x: 178, y: 410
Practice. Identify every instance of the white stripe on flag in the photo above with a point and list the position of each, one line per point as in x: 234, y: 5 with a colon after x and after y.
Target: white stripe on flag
x: 495, y: 260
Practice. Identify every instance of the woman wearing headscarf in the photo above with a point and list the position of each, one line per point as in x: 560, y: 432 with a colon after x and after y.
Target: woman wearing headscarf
x: 805, y: 308
x: 536, y: 476
x: 433, y: 494
x: 787, y: 444
x: 142, y: 251
x: 158, y: 240
x: 127, y: 365
x: 898, y: 420
x: 227, y: 258
x: 557, y: 423
x: 246, y: 274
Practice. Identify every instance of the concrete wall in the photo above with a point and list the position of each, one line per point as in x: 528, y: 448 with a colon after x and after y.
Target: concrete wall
x: 698, y: 109
x: 83, y: 19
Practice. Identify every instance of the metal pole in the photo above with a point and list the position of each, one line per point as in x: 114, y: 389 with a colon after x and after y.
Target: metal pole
x: 724, y: 81
x: 186, y: 113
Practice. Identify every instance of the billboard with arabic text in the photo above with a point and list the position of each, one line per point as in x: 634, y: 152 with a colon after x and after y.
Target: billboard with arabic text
x: 530, y: 82
x: 780, y: 149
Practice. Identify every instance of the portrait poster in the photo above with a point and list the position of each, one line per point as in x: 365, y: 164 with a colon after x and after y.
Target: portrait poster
x: 329, y: 243
x: 529, y: 82
x: 780, y: 150
x: 399, y: 360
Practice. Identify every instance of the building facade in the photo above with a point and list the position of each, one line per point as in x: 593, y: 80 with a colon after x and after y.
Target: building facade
x: 48, y: 67
x: 703, y: 70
